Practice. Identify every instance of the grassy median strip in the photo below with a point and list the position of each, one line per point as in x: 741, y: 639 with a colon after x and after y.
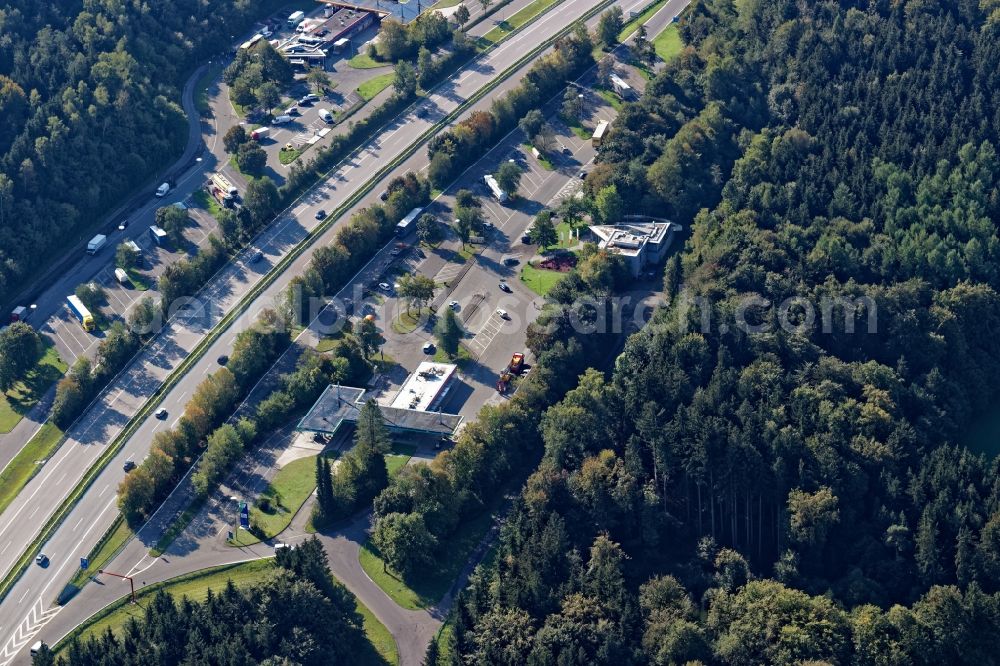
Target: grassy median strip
x: 19, y: 471
x: 373, y: 86
x: 179, y: 525
x: 634, y: 24
x: 109, y: 545
x: 203, y: 345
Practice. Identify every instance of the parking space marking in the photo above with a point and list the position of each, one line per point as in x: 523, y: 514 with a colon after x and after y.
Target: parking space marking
x: 448, y: 272
x: 481, y: 341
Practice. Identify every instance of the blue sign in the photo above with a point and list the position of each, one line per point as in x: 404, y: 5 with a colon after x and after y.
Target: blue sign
x: 84, y: 563
x: 244, y: 516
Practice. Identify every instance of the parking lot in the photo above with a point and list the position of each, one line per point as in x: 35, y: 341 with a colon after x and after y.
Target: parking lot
x: 65, y: 330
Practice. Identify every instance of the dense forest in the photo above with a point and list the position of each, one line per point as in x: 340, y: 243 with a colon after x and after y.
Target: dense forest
x: 298, y: 615
x: 90, y: 108
x: 749, y: 485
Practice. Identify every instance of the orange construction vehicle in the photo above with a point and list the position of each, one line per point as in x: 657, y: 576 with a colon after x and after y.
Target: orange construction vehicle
x: 515, y: 367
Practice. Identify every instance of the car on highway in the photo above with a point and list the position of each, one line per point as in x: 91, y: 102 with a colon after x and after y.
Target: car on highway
x: 161, y: 413
x: 42, y: 560
x: 505, y: 287
x: 320, y: 214
x: 396, y: 251
x: 503, y: 313
x: 222, y: 360
x: 384, y: 195
x: 123, y: 225
x: 428, y: 347
x: 256, y: 256
x: 129, y: 465
x: 453, y: 305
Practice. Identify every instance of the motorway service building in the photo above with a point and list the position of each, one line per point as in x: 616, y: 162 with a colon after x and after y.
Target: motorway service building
x: 413, y: 410
x: 640, y: 243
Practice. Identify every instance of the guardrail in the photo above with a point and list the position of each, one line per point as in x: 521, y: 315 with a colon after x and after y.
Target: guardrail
x: 198, y: 352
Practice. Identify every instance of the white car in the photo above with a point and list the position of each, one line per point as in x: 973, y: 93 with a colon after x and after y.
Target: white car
x: 453, y: 305
x: 503, y: 313
x: 428, y: 347
x: 384, y: 286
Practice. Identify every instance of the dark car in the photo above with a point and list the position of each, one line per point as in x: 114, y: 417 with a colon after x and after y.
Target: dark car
x: 223, y: 359
x: 42, y: 560
x: 320, y: 214
x: 129, y: 465
x: 256, y: 256
x: 161, y: 413
x: 505, y: 287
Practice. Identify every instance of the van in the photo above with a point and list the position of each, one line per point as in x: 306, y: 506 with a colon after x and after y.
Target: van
x: 326, y: 115
x: 281, y: 120
x: 162, y: 190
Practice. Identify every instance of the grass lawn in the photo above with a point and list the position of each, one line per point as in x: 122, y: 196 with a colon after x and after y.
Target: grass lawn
x: 139, y: 281
x: 365, y: 61
x: 286, y: 156
x: 634, y: 24
x: 460, y: 360
x: 379, y: 638
x: 430, y: 586
x: 25, y: 394
x: 541, y: 159
x: 581, y: 132
x: 566, y: 236
x: 398, y: 457
x: 287, y: 492
x: 540, y: 281
x: 195, y: 586
x: 610, y: 98
x: 207, y: 201
x: 668, y: 43
x: 373, y: 86
x: 445, y: 4
x: 517, y: 20
x: 407, y: 322
x: 102, y: 553
x: 19, y: 471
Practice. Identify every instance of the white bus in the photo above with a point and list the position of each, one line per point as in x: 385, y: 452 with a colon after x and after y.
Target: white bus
x: 499, y: 194
x: 404, y: 225
x: 602, y: 129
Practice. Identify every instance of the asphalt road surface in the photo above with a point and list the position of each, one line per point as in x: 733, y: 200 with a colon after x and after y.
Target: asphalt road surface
x: 95, y: 512
x: 22, y: 612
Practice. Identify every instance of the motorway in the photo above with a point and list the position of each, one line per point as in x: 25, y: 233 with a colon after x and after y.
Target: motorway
x: 92, y: 515
x: 35, y: 590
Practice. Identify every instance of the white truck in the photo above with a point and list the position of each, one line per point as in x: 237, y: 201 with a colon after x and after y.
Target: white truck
x: 259, y: 133
x: 96, y: 243
x: 326, y: 115
x: 162, y: 190
x: 295, y: 18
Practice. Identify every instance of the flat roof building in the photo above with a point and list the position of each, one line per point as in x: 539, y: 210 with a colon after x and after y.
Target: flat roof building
x: 341, y: 404
x: 640, y: 243
x: 426, y: 388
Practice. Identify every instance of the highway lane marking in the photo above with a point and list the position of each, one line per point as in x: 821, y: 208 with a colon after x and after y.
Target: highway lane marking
x: 104, y: 490
x: 6, y: 546
x: 24, y: 595
x: 391, y: 134
x: 33, y: 513
x: 78, y: 523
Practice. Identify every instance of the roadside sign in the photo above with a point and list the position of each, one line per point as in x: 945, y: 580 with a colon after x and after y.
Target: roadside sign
x: 84, y: 563
x: 244, y: 516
